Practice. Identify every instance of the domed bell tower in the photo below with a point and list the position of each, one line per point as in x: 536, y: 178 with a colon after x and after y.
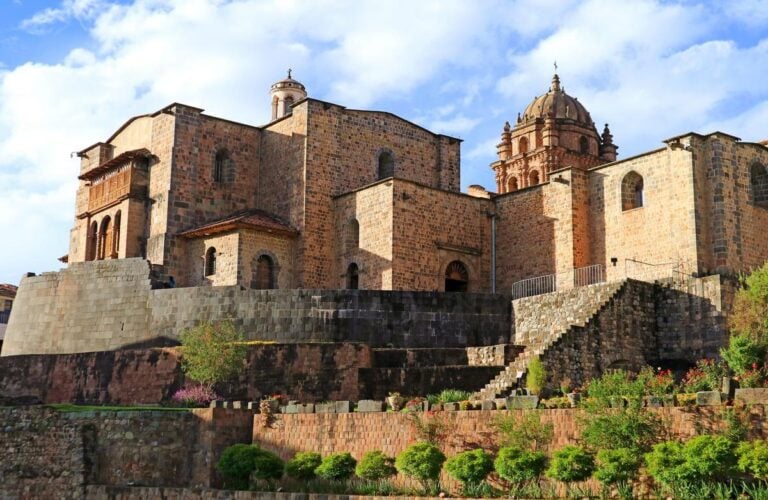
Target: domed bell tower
x: 283, y: 94
x: 554, y: 131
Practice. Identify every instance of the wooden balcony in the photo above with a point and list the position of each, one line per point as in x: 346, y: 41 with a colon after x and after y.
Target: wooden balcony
x: 110, y: 191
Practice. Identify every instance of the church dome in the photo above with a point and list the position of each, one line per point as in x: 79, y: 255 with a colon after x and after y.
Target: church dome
x: 288, y: 83
x: 556, y: 104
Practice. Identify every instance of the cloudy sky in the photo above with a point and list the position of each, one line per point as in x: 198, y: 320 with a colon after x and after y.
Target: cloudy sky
x: 73, y: 71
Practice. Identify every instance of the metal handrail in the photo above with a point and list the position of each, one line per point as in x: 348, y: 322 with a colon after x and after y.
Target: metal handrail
x: 581, y: 276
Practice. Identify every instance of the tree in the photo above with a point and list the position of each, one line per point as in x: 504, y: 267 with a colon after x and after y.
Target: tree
x: 213, y: 353
x: 525, y: 433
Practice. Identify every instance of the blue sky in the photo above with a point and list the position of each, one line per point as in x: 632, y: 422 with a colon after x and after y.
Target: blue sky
x: 73, y: 71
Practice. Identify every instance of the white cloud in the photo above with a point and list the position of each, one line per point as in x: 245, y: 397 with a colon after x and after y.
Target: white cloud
x: 70, y: 9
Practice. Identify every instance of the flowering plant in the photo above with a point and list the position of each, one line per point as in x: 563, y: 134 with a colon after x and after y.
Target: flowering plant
x: 754, y: 377
x: 660, y: 383
x: 196, y: 395
x: 705, y: 376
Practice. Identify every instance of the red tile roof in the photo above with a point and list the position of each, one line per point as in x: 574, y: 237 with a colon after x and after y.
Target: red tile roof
x: 250, y: 219
x: 8, y: 290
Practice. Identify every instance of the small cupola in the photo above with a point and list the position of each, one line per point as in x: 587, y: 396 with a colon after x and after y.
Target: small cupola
x: 284, y: 93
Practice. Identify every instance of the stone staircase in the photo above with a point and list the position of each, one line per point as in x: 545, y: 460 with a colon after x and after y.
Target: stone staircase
x: 541, y: 321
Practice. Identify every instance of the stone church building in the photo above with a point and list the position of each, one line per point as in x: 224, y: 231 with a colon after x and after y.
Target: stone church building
x: 328, y: 197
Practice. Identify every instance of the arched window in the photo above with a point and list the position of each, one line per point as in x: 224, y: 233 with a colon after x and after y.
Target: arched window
x: 116, y: 235
x: 263, y: 273
x: 352, y: 235
x: 584, y: 145
x: 632, y: 191
x: 758, y: 181
x: 456, y: 277
x: 533, y: 178
x: 386, y: 165
x: 522, y: 145
x: 210, y: 261
x: 353, y: 277
x: 105, y: 239
x: 221, y: 166
x: 288, y: 104
x: 512, y: 184
x: 91, y: 243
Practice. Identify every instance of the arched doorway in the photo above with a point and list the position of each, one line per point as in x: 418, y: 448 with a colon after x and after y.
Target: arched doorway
x: 456, y: 277
x: 263, y: 273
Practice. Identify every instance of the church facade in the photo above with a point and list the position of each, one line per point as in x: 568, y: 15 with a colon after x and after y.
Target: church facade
x: 328, y: 197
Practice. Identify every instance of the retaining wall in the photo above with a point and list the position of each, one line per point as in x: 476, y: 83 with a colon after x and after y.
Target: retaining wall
x: 50, y: 454
x: 107, y: 305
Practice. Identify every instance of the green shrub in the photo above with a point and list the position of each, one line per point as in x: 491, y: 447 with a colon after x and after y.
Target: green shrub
x: 749, y: 316
x: 470, y: 467
x: 375, y: 466
x: 240, y: 462
x: 616, y: 385
x: 518, y: 466
x: 616, y: 466
x: 452, y: 396
x: 302, y: 466
x: 336, y: 467
x: 701, y: 459
x: 742, y: 353
x: 212, y: 353
x: 709, y: 457
x: 236, y: 464
x: 634, y: 428
x: 267, y: 466
x: 753, y: 459
x: 571, y: 463
x: 526, y: 432
x: 666, y: 463
x: 421, y: 461
x: 536, y: 377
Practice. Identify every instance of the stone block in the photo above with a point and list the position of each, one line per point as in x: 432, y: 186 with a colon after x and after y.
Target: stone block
x: 290, y: 408
x: 500, y: 403
x: 307, y: 408
x: 343, y: 406
x: 487, y: 405
x: 752, y: 396
x: 325, y: 408
x: 522, y: 402
x: 369, y: 405
x: 451, y: 406
x: 708, y: 398
x: 217, y: 404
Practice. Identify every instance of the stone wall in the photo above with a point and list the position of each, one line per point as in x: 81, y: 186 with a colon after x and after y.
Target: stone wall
x: 390, y: 432
x: 691, y: 317
x: 90, y: 306
x: 431, y: 229
x: 51, y: 454
x: 377, y: 318
x: 107, y: 377
x: 106, y: 305
x: 42, y: 455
